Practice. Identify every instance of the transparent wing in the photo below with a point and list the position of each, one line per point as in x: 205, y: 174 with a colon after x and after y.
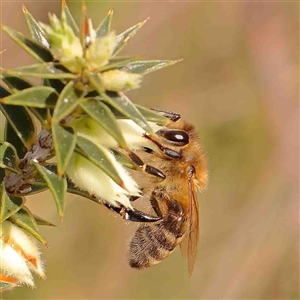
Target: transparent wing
x: 188, y: 246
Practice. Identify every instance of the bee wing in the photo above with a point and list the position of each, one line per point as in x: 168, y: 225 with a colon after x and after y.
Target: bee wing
x: 189, y: 244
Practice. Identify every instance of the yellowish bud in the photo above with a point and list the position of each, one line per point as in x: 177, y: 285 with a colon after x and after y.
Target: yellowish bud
x: 119, y: 80
x: 100, y: 51
x: 65, y: 46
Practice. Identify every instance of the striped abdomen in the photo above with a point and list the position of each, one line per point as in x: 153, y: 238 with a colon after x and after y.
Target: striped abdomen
x: 156, y: 241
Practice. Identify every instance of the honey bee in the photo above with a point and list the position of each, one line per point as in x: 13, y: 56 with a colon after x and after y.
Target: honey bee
x: 173, y: 196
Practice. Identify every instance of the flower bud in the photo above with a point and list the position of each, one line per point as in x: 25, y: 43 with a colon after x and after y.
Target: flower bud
x: 20, y: 255
x: 119, y: 80
x: 64, y: 44
x: 100, y: 51
x: 92, y: 179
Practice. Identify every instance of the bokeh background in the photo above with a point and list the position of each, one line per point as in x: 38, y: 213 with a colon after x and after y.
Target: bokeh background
x: 238, y: 83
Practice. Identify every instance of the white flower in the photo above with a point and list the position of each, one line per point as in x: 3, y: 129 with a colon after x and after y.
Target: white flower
x: 92, y: 179
x: 89, y: 177
x: 20, y: 256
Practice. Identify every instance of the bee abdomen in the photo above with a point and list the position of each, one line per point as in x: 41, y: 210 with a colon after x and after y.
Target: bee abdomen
x: 153, y: 243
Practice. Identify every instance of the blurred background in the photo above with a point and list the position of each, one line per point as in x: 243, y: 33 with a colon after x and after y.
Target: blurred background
x: 238, y: 83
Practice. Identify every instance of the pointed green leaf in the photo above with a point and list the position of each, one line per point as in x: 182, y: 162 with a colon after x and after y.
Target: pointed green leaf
x: 98, y: 156
x: 104, y: 26
x: 11, y: 137
x: 9, y: 158
x: 37, y: 51
x: 39, y: 184
x: 39, y: 96
x: 21, y: 122
x: 14, y: 82
x: 153, y: 116
x: 64, y: 140
x: 124, y: 37
x: 123, y: 104
x: 41, y: 221
x: 124, y: 160
x: 56, y: 184
x: 66, y: 103
x: 42, y: 114
x: 35, y: 29
x: 25, y: 220
x: 42, y: 70
x: 69, y: 18
x: 147, y: 66
x: 117, y: 62
x: 9, y: 205
x: 105, y: 118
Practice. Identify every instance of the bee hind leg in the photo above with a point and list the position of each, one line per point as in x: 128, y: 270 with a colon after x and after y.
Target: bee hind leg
x: 132, y: 215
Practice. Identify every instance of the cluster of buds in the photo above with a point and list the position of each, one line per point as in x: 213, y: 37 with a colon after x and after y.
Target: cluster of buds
x: 91, y: 54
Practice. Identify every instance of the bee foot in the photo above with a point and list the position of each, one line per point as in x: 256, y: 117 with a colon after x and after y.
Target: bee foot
x: 132, y: 215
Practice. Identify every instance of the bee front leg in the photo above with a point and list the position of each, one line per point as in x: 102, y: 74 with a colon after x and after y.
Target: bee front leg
x: 132, y: 215
x: 166, y: 151
x: 145, y: 167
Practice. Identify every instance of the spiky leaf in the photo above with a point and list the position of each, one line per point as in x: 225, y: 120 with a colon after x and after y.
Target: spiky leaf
x: 98, y: 156
x: 64, y: 140
x: 117, y: 62
x: 8, y: 157
x: 35, y: 29
x: 14, y: 82
x: 66, y: 103
x: 56, y: 184
x: 69, y: 18
x: 42, y: 70
x: 104, y: 26
x: 125, y: 36
x: 21, y: 122
x: 123, y: 104
x: 147, y: 66
x: 105, y: 118
x: 40, y: 96
x: 25, y: 219
x: 11, y: 137
x: 41, y: 221
x: 36, y: 50
x: 9, y: 205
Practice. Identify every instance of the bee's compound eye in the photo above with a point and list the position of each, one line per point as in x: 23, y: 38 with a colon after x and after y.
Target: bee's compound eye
x: 176, y: 136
